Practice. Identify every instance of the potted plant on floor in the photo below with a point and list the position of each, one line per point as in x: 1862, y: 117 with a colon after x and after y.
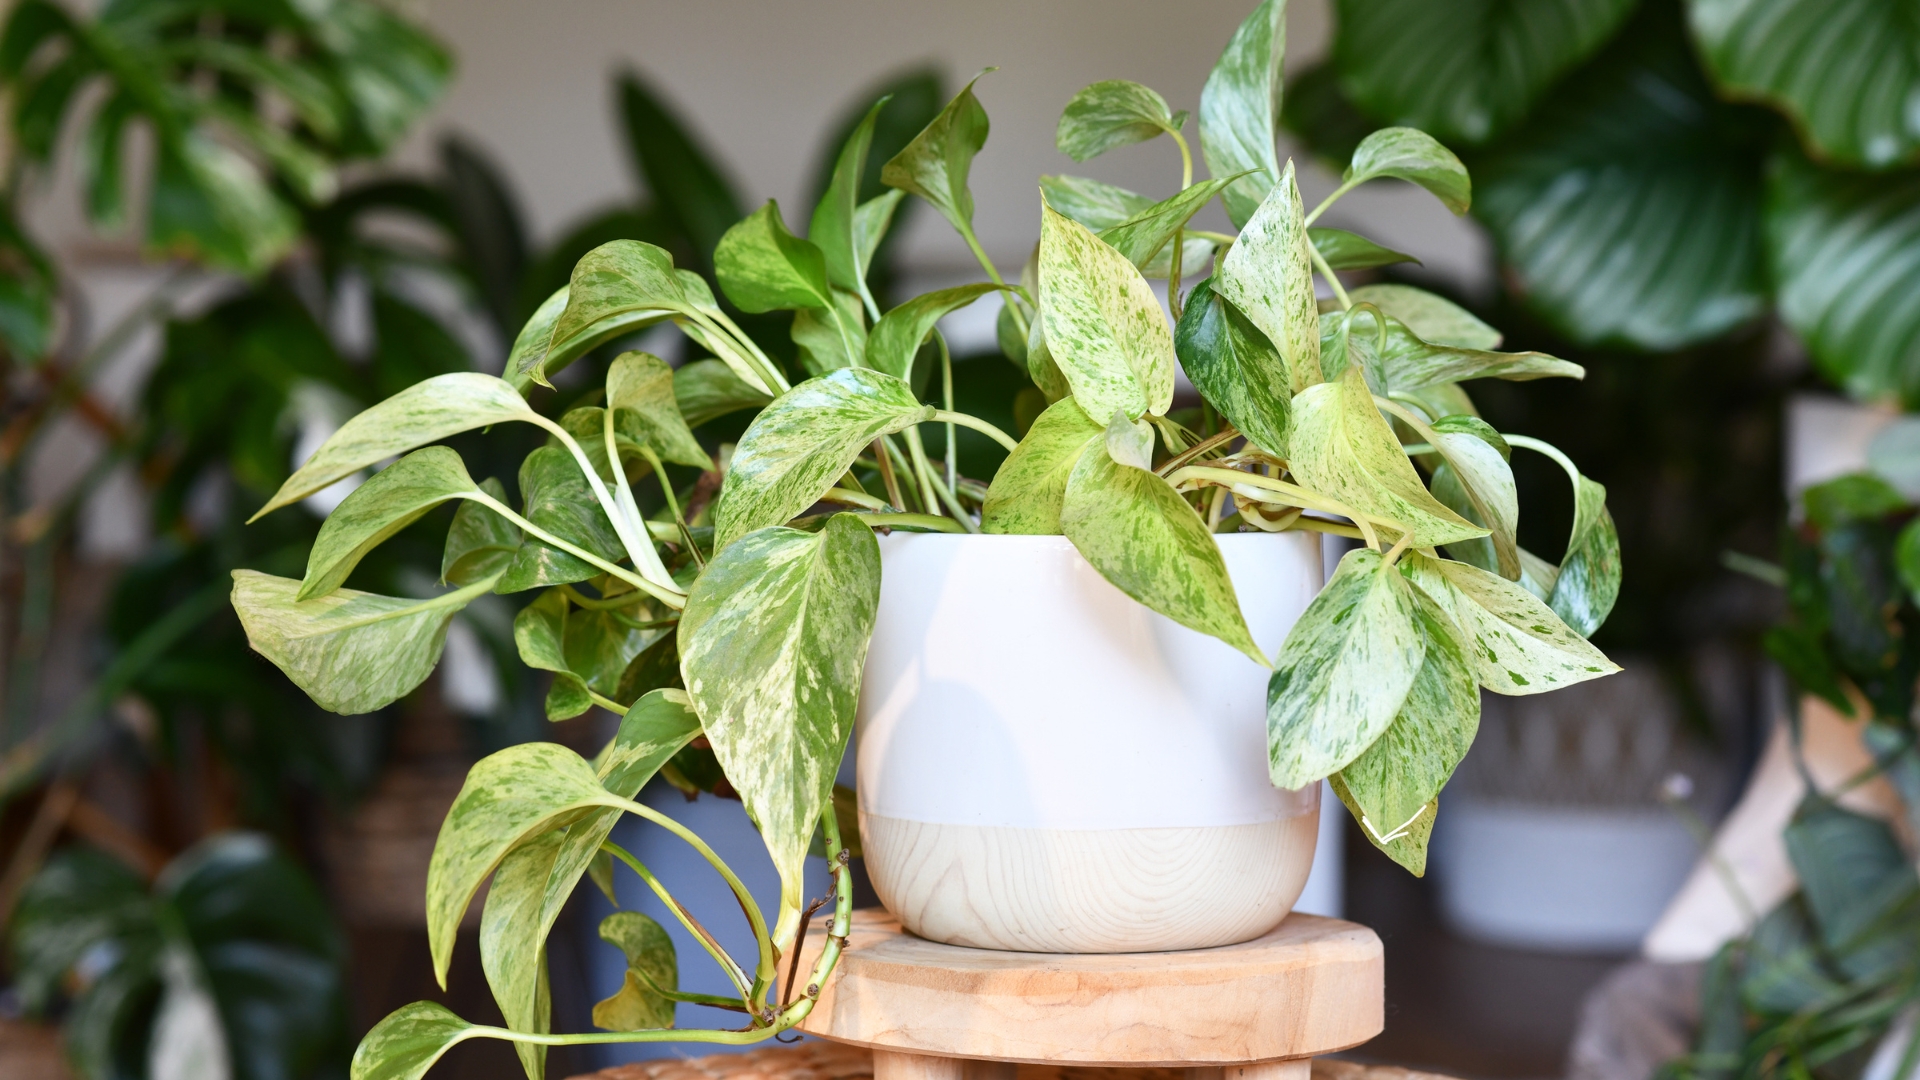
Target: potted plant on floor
x: 744, y: 619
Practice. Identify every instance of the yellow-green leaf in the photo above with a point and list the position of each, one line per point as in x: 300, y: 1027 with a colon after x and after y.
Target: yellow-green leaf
x: 1104, y: 327
x: 1268, y: 274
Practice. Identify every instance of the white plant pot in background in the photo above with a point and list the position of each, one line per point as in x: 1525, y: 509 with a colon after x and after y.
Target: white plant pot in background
x: 1046, y: 765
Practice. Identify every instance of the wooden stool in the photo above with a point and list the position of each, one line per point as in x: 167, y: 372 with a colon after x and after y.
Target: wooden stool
x: 1256, y: 1011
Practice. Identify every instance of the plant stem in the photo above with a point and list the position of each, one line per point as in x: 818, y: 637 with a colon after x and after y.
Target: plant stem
x: 607, y: 703
x: 645, y: 559
x: 600, y: 603
x: 978, y: 425
x: 853, y: 498
x: 675, y: 600
x: 913, y: 521
x: 1296, y: 494
x: 1223, y: 436
x: 735, y: 973
x: 921, y: 469
x: 1333, y: 279
x: 1552, y: 451
x: 946, y: 395
x: 772, y: 370
x: 881, y: 458
x: 1330, y: 200
x: 673, y: 504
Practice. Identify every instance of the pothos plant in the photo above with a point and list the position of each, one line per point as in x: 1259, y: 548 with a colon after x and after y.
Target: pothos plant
x: 743, y: 619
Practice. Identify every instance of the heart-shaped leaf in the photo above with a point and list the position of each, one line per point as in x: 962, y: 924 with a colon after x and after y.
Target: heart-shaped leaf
x: 1344, y: 250
x: 1464, y: 71
x: 651, y: 968
x: 1109, y: 114
x: 1846, y: 71
x: 1145, y: 235
x: 709, y: 389
x: 935, y: 164
x: 1412, y: 155
x: 1240, y: 110
x: 1144, y: 539
x: 351, y: 651
x: 408, y: 1042
x: 764, y: 267
x: 586, y: 651
x: 1344, y: 671
x: 1104, y: 327
x: 1343, y: 448
x: 641, y: 391
x: 897, y: 336
x: 396, y: 496
x: 1589, y: 579
x: 1027, y: 492
x: 1235, y: 368
x: 805, y: 441
x: 1268, y: 274
x: 1516, y: 644
x: 1842, y: 250
x: 423, y: 413
x: 835, y: 226
x: 1392, y: 788
x: 772, y: 644
x: 480, y: 543
x: 536, y: 356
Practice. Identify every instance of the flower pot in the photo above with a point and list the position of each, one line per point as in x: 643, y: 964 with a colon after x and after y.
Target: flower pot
x: 1046, y: 765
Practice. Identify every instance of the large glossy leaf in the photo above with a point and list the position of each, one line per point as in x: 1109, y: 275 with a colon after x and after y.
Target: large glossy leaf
x: 651, y: 968
x: 1466, y: 70
x: 1240, y: 110
x: 643, y: 393
x: 509, y: 797
x: 1026, y: 494
x: 1628, y: 205
x: 1855, y: 880
x: 1344, y: 671
x: 80, y: 898
x: 935, y: 165
x: 1343, y: 448
x: 1845, y: 252
x: 396, y: 497
x: 805, y: 441
x: 708, y: 389
x: 1144, y: 538
x: 555, y: 497
x: 764, y: 267
x: 1846, y: 71
x: 424, y: 413
x: 772, y: 644
x: 351, y: 651
x: 408, y: 1042
x: 211, y: 202
x: 897, y: 336
x: 535, y: 880
x: 1112, y: 113
x: 1268, y: 274
x: 1410, y: 154
x: 1392, y: 788
x: 1516, y: 644
x: 1345, y: 250
x: 835, y: 227
x: 1235, y: 368
x: 1103, y: 325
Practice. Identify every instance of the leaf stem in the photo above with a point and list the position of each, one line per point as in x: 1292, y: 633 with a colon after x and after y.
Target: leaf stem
x: 946, y: 396
x: 673, y: 504
x: 607, y: 703
x: 675, y: 600
x: 881, y: 458
x: 1330, y: 200
x: 1298, y: 495
x: 1552, y: 451
x: 772, y: 370
x: 978, y: 425
x: 853, y: 498
x: 922, y: 470
x: 1225, y: 435
x: 1333, y: 279
x: 735, y: 973
x: 645, y: 559
x: 913, y: 521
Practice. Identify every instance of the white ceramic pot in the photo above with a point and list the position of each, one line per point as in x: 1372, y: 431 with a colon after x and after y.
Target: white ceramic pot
x: 1048, y: 766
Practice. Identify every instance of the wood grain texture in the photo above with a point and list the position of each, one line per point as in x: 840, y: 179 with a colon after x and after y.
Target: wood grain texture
x: 894, y: 1065
x: 821, y: 1060
x: 1311, y: 986
x: 1092, y: 890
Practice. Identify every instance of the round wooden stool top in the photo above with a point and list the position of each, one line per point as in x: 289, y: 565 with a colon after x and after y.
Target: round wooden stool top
x: 1313, y: 986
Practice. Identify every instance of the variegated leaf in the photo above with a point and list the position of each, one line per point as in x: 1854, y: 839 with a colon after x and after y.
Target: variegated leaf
x: 897, y: 336
x: 1516, y: 644
x: 1433, y: 318
x: 641, y: 392
x: 480, y: 543
x: 1112, y: 113
x: 1268, y: 274
x: 1026, y: 494
x: 396, y: 496
x: 1413, y: 155
x: 1104, y: 327
x: 935, y: 165
x: 1240, y: 110
x: 764, y: 267
x: 651, y: 967
x: 1407, y: 364
x: 1145, y: 236
x: 555, y: 497
x: 1235, y: 368
x: 708, y: 389
x: 408, y: 1042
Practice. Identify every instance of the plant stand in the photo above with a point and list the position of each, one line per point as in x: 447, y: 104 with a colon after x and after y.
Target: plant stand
x: 1260, y: 1010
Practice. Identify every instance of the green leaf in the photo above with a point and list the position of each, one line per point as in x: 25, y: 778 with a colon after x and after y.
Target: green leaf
x: 1343, y: 449
x: 1103, y: 325
x: 536, y: 879
x: 1240, y: 110
x: 836, y: 226
x: 1268, y: 274
x: 1394, y: 786
x: 1026, y: 494
x: 1143, y: 237
x: 1235, y: 368
x: 408, y: 1042
x: 424, y: 413
x: 396, y: 496
x: 1434, y: 319
x: 1344, y: 671
x: 1093, y: 203
x: 1476, y: 455
x: 897, y: 336
x: 555, y: 497
x: 870, y: 224
x: 1516, y: 644
x: 1408, y: 365
x: 1842, y: 247
x: 708, y: 389
x: 651, y: 967
x: 656, y: 667
x: 1627, y: 207
x: 805, y: 441
x: 1344, y: 250
x: 540, y: 635
x: 935, y: 164
x: 80, y: 899
x: 1144, y: 538
x: 1589, y: 578
x: 764, y: 267
x: 1109, y: 114
x: 210, y: 202
x: 831, y: 340
x: 537, y: 355
x: 642, y: 392
x: 509, y: 797
x: 1464, y: 71
x: 1857, y: 882
x: 1846, y: 72
x: 352, y: 652
x: 1412, y: 155
x: 772, y: 644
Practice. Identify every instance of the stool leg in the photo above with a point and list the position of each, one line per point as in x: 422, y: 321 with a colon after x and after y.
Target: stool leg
x: 988, y: 1070
x: 1297, y: 1069
x: 894, y: 1065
